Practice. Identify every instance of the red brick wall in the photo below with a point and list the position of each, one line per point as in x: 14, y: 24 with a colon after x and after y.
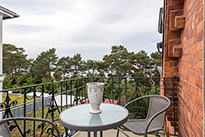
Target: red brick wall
x: 189, y: 66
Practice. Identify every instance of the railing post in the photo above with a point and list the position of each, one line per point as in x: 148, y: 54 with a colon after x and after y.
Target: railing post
x: 126, y: 89
x: 113, y: 88
x: 42, y: 99
x: 34, y: 109
x: 24, y: 127
x: 61, y: 90
x: 71, y: 91
x: 155, y: 84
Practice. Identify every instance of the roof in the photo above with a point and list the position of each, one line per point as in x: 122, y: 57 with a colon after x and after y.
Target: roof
x: 7, y: 14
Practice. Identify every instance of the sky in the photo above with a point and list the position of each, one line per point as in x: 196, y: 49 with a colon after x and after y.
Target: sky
x: 87, y: 27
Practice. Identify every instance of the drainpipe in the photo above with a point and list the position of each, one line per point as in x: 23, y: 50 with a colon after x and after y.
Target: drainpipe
x: 1, y: 76
x: 203, y: 74
x: 163, y: 35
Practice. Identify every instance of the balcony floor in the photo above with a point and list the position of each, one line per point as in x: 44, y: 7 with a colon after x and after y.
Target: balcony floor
x: 109, y: 133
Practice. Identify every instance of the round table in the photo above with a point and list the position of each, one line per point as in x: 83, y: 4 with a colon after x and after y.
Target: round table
x: 79, y: 118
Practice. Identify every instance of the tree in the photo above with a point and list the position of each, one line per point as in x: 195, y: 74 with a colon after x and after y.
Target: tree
x: 68, y: 67
x: 8, y: 50
x: 14, y: 60
x: 63, y: 68
x: 156, y: 62
x: 156, y: 59
x: 117, y: 62
x: 139, y: 61
x: 92, y: 65
x: 77, y: 65
x: 44, y: 64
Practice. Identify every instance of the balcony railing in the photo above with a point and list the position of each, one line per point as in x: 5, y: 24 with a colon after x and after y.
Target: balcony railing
x: 47, y: 100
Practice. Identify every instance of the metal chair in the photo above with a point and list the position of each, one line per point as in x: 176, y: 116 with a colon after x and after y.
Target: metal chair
x: 154, y: 119
x: 5, y: 131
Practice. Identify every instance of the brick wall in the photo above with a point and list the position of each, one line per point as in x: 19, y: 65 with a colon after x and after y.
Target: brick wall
x: 183, y: 57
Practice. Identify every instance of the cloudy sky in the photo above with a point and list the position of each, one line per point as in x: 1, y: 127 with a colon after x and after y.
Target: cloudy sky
x: 88, y: 27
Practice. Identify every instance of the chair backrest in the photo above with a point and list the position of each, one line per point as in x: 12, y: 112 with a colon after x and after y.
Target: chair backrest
x: 158, y: 104
x: 4, y: 129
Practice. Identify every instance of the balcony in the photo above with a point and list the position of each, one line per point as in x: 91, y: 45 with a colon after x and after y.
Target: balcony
x: 47, y: 100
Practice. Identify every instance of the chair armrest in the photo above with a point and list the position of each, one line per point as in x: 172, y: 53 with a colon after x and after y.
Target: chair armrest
x: 31, y: 119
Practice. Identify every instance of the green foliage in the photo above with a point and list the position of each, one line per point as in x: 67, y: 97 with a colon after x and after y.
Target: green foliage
x: 113, y: 88
x: 156, y: 59
x: 69, y: 67
x: 44, y: 64
x: 15, y: 62
x: 138, y: 109
x: 76, y: 65
x: 57, y: 75
x: 24, y: 79
x: 117, y: 62
x: 48, y: 87
x: 154, y: 91
x: 15, y: 90
x: 95, y: 77
x: 92, y: 65
x: 7, y: 82
x: 156, y: 62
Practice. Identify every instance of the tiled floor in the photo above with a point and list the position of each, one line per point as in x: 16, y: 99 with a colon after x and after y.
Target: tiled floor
x: 109, y: 133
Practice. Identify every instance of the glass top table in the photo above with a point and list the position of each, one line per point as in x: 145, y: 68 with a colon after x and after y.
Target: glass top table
x: 79, y: 118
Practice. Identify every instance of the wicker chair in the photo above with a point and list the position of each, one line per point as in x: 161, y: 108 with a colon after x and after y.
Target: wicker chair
x: 155, y: 116
x: 5, y: 131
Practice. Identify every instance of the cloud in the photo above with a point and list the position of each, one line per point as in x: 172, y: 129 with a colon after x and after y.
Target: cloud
x: 87, y: 27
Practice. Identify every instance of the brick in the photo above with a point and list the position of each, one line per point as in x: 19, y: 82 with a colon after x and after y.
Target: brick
x: 199, y: 122
x: 177, y: 51
x: 172, y: 42
x: 200, y: 55
x: 199, y: 27
x: 199, y: 46
x: 199, y: 74
x: 168, y: 64
x: 175, y: 2
x: 200, y: 113
x: 172, y: 69
x: 175, y: 35
x: 179, y: 22
x: 199, y: 65
x: 174, y: 7
x: 170, y: 60
x: 199, y: 83
x: 200, y: 132
x: 167, y: 74
x: 173, y: 14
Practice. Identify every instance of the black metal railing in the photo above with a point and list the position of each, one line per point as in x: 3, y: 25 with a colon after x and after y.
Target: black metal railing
x: 64, y: 94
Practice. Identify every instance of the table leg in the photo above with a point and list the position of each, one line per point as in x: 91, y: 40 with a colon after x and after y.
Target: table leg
x: 66, y: 132
x: 95, y: 133
x: 101, y: 133
x: 88, y: 133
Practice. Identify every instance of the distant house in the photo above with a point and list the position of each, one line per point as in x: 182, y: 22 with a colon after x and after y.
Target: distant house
x: 181, y: 23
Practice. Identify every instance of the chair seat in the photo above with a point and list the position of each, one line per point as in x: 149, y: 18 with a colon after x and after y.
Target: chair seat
x: 138, y: 126
x: 4, y: 130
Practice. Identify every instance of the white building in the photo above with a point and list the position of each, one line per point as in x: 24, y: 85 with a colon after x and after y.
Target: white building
x: 4, y: 14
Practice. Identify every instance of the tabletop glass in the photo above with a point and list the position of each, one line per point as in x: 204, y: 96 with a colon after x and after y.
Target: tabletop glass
x: 79, y: 117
